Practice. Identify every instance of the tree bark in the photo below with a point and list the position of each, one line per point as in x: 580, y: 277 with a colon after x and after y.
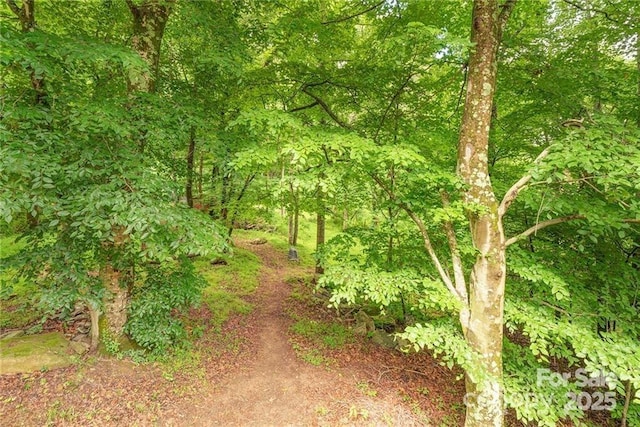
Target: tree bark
x: 345, y: 219
x: 225, y: 195
x: 236, y: 204
x: 94, y: 314
x: 190, y: 156
x: 320, y: 229
x: 27, y: 17
x: 296, y: 222
x: 149, y: 20
x: 294, y: 216
x: 116, y: 301
x: 200, y: 177
x: 483, y: 329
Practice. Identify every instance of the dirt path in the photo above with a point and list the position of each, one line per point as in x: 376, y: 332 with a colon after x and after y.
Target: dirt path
x: 278, y: 389
x: 246, y: 374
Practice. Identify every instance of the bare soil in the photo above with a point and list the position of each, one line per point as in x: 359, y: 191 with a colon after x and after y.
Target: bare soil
x: 248, y: 375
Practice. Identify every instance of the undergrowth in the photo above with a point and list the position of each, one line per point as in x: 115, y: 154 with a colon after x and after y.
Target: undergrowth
x: 228, y: 284
x: 18, y: 299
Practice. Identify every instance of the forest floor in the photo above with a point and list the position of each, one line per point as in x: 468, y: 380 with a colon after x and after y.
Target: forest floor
x: 254, y: 371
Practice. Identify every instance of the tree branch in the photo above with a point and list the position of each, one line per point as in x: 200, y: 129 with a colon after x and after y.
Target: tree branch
x: 426, y: 240
x: 512, y: 193
x: 458, y: 268
x: 325, y: 107
x: 14, y: 8
x: 346, y: 18
x: 304, y: 107
x: 393, y: 99
x: 584, y: 9
x: 539, y: 226
x: 507, y: 8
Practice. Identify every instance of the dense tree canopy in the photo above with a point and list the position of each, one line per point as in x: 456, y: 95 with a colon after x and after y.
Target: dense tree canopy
x: 482, y: 157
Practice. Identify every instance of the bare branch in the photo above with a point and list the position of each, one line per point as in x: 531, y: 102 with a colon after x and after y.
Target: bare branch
x: 575, y: 123
x: 464, y: 84
x: 425, y: 239
x: 585, y: 9
x: 325, y: 107
x: 393, y: 99
x: 304, y: 107
x: 544, y: 224
x: 539, y: 226
x: 346, y: 18
x: 512, y: 193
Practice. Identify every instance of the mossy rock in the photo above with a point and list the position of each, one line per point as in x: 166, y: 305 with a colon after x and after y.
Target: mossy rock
x: 383, y: 339
x: 31, y: 353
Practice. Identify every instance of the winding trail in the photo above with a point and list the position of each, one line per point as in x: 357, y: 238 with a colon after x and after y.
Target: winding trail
x: 245, y: 373
x: 278, y: 389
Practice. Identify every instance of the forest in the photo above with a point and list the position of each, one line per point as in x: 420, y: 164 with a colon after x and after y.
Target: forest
x: 456, y: 180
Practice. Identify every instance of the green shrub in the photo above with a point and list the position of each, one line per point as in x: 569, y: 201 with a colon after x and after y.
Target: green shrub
x: 153, y: 323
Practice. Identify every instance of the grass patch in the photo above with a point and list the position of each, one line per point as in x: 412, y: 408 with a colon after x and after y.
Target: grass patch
x: 330, y: 335
x: 366, y: 389
x: 311, y: 355
x: 229, y: 283
x: 57, y: 413
x: 183, y: 361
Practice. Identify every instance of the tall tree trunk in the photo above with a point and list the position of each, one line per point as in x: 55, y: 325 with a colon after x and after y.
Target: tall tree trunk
x: 294, y: 223
x: 282, y: 175
x: 390, y: 241
x: 27, y: 17
x: 149, y: 20
x: 294, y: 220
x: 94, y: 315
x: 190, y: 156
x: 320, y: 229
x: 225, y: 195
x: 116, y: 301
x: 236, y: 204
x: 345, y: 219
x: 200, y: 178
x: 294, y: 217
x: 483, y: 328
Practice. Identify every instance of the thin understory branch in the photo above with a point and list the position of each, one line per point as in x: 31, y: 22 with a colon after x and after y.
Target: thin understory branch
x: 325, y: 107
x: 304, y: 107
x: 456, y: 260
x: 512, y: 193
x: 346, y: 18
x: 425, y: 239
x: 592, y: 9
x: 396, y: 95
x: 539, y: 226
x: 544, y: 224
